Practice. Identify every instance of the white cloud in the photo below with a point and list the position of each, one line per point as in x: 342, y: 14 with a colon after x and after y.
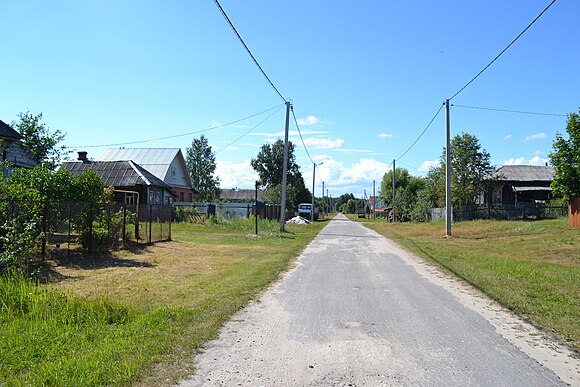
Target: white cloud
x: 231, y: 148
x: 384, y: 136
x: 355, y: 150
x: 428, y: 164
x: 506, y: 137
x: 233, y: 175
x: 323, y: 143
x: 280, y: 134
x: 536, y: 160
x: 537, y: 136
x: 310, y: 120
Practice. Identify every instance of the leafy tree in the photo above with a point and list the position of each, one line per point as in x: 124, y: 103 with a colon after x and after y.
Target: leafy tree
x: 407, y: 188
x: 269, y: 166
x: 200, y: 161
x: 470, y: 167
x: 566, y: 160
x: 39, y: 140
x: 343, y: 199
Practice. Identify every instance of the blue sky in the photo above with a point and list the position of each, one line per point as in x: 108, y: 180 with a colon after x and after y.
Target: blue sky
x: 365, y: 78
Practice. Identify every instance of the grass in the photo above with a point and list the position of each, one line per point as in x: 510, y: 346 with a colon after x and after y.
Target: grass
x: 532, y: 268
x: 138, y: 317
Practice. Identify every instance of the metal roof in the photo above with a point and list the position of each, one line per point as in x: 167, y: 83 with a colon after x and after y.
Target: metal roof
x: 525, y: 189
x: 240, y: 194
x: 155, y: 160
x: 7, y: 132
x: 524, y: 173
x: 117, y: 173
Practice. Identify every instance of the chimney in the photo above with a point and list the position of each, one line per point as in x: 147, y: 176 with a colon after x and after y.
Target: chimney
x: 83, y: 156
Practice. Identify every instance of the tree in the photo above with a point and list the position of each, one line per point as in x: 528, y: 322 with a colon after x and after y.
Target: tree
x: 200, y: 162
x: 343, y: 199
x: 38, y: 139
x: 566, y: 160
x: 407, y: 188
x: 269, y: 166
x: 470, y: 167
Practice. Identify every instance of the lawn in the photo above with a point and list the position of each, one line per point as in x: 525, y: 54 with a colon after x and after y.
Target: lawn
x: 532, y: 268
x: 138, y: 316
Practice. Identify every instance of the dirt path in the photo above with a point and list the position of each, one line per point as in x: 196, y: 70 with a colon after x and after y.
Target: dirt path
x: 358, y: 310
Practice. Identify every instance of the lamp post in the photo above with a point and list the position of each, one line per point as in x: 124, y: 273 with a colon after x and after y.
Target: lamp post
x: 313, y: 181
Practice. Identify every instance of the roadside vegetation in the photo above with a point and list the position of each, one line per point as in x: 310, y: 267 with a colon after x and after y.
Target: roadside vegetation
x: 138, y: 316
x: 532, y: 268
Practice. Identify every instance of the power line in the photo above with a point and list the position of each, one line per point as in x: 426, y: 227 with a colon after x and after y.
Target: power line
x: 509, y: 111
x: 504, y: 50
x: 303, y: 143
x: 178, y: 135
x: 247, y: 49
x: 422, y: 133
x: 245, y: 134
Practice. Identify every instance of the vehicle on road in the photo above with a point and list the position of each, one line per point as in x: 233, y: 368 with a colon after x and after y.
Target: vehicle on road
x: 305, y: 211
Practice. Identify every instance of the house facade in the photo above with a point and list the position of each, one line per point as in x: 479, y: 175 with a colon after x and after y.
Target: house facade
x: 132, y: 183
x: 12, y: 149
x: 167, y: 164
x: 513, y: 184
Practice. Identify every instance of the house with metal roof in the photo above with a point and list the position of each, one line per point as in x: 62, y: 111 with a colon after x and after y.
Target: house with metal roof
x: 237, y: 195
x: 512, y: 184
x: 132, y: 183
x: 12, y: 149
x: 167, y: 164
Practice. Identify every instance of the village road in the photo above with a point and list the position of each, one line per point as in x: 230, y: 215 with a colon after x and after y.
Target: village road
x: 357, y: 311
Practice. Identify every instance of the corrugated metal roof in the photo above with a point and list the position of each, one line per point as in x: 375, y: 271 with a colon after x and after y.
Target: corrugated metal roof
x: 524, y: 173
x: 117, y: 173
x: 240, y: 194
x: 6, y: 131
x: 155, y: 160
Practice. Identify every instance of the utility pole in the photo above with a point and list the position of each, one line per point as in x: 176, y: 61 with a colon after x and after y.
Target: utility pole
x: 327, y: 197
x: 313, y: 180
x: 394, y: 214
x: 374, y: 200
x: 256, y: 214
x: 285, y: 169
x: 447, y: 171
x: 323, y: 202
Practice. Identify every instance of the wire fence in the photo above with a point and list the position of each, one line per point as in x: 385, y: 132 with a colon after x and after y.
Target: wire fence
x: 60, y: 228
x: 519, y: 211
x: 199, y: 212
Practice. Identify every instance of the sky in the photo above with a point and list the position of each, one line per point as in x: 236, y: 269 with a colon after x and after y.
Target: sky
x: 364, y: 78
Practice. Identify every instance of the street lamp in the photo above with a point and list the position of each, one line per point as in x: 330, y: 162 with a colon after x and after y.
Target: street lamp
x: 313, y: 180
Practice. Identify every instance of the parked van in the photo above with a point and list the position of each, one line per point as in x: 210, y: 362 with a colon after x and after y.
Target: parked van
x: 305, y: 211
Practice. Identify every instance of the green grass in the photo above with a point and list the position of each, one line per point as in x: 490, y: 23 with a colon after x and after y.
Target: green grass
x: 532, y: 268
x: 138, y: 317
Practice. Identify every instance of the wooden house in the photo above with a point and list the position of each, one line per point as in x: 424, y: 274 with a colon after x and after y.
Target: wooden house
x: 513, y: 184
x: 13, y: 151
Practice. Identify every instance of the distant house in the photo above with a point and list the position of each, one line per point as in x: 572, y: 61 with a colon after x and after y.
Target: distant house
x: 132, y: 183
x: 240, y: 195
x: 512, y: 184
x: 12, y: 149
x: 167, y: 164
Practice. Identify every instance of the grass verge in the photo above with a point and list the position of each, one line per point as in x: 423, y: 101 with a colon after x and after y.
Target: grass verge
x: 138, y: 316
x: 532, y: 268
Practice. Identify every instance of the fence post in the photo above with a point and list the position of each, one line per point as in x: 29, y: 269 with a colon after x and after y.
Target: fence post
x: 150, y: 221
x: 170, y: 208
x: 44, y: 216
x: 91, y: 229
x: 123, y: 239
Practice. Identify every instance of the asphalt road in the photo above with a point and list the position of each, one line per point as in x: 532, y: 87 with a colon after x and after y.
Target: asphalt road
x: 357, y: 310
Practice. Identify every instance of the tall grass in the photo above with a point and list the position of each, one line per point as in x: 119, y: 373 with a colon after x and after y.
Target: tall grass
x: 164, y: 307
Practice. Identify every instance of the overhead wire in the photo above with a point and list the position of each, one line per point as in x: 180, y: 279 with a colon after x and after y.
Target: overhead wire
x: 249, y: 131
x: 182, y: 134
x: 300, y: 133
x: 247, y: 49
x: 422, y: 133
x: 502, y: 51
x: 509, y: 111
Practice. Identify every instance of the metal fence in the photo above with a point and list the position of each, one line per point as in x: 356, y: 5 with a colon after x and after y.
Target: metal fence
x: 191, y: 212
x: 519, y: 211
x: 91, y: 227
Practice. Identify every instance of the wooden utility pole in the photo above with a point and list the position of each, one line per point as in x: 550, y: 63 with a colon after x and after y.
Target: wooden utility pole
x: 447, y: 171
x: 285, y: 169
x: 256, y: 211
x: 313, y: 180
x: 374, y: 200
x: 323, y: 202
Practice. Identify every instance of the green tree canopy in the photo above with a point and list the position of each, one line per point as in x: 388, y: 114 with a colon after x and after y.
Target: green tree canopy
x: 269, y: 166
x: 200, y: 162
x: 470, y: 168
x: 407, y: 188
x: 38, y: 139
x: 566, y: 160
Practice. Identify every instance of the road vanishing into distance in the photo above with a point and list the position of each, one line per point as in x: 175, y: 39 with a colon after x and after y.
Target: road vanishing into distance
x: 359, y: 311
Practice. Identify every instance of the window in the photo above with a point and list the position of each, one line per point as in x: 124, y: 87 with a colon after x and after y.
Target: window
x: 173, y: 172
x: 181, y: 197
x: 129, y: 198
